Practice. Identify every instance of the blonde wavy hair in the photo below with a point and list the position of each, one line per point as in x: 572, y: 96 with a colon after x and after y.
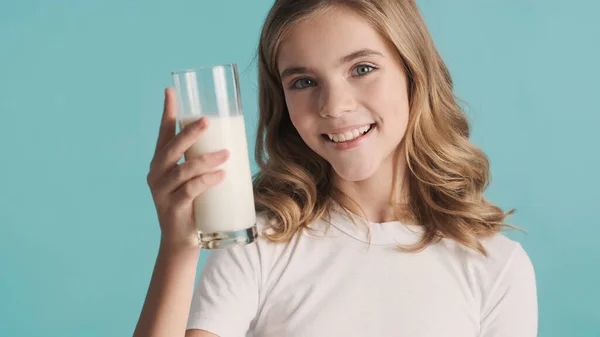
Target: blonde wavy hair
x: 447, y: 174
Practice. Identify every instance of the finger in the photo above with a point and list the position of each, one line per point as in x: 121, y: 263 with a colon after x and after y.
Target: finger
x: 168, y: 121
x: 191, y: 169
x: 194, y: 187
x: 168, y: 157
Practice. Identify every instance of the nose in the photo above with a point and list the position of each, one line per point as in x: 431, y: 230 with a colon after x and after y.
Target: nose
x: 335, y: 100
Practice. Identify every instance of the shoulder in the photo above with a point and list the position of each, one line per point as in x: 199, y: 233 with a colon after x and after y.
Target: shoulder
x: 502, y: 253
x: 256, y: 256
x: 506, y: 257
x: 507, y: 265
x: 253, y: 250
x: 227, y: 293
x: 265, y: 247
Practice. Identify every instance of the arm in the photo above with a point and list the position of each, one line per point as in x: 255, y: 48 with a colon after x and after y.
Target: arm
x: 167, y: 304
x: 174, y: 187
x: 224, y: 301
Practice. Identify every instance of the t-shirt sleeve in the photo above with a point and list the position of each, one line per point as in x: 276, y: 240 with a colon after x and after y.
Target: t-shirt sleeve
x: 511, y: 306
x: 225, y: 300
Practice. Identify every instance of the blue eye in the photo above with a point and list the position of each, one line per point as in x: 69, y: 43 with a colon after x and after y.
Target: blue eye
x: 362, y: 69
x: 302, y: 83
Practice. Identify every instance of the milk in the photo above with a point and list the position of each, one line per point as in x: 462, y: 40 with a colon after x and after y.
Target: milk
x: 228, y: 206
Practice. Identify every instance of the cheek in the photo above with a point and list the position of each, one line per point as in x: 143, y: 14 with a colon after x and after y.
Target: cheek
x: 300, y: 115
x: 389, y: 100
x: 389, y: 104
x: 302, y: 125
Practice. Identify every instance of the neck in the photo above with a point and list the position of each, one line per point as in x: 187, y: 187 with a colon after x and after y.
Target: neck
x: 372, y: 197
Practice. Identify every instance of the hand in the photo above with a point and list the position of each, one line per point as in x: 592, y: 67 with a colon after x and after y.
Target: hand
x: 174, y: 187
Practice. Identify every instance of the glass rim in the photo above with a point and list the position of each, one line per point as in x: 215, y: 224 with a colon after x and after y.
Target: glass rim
x: 203, y: 67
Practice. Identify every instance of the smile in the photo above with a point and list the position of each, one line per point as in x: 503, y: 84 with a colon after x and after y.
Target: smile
x: 349, y: 135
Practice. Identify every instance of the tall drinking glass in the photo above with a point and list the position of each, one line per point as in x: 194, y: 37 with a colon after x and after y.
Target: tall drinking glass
x: 224, y: 214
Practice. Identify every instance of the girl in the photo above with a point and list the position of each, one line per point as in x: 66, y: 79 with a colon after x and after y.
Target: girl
x: 370, y: 196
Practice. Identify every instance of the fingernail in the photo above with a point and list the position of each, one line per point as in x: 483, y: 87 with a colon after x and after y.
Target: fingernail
x: 199, y: 124
x: 203, y: 122
x: 223, y: 154
x: 214, y: 177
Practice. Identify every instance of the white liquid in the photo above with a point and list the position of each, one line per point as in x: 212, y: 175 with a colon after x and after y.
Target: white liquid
x: 228, y: 206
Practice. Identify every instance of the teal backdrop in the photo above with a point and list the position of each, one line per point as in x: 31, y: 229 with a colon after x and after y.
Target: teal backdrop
x: 81, y: 85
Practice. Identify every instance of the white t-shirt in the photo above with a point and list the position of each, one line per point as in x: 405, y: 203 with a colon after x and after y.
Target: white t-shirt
x: 333, y: 283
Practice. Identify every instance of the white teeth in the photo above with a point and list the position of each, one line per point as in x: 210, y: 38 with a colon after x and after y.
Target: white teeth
x: 349, y: 135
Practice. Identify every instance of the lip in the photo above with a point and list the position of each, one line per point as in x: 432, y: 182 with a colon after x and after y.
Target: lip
x: 352, y: 144
x: 347, y: 128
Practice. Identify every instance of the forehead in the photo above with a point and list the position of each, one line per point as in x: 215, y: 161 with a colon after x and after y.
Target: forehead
x: 323, y: 38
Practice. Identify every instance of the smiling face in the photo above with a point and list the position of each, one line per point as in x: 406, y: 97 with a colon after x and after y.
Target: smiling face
x: 346, y: 91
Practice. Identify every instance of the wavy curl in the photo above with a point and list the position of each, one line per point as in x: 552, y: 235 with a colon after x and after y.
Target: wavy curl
x: 447, y: 174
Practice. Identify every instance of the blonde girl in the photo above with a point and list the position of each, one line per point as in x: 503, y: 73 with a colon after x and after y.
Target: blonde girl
x: 369, y: 196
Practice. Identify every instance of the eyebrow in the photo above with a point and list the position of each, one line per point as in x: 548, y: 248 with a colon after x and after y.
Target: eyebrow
x: 345, y: 59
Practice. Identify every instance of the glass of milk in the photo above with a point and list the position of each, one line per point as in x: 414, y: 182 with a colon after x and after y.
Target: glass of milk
x: 224, y: 214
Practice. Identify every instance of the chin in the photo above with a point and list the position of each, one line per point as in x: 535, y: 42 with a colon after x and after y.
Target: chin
x: 354, y: 172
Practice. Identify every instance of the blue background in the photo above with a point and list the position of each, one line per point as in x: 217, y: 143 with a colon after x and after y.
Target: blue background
x: 81, y: 85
